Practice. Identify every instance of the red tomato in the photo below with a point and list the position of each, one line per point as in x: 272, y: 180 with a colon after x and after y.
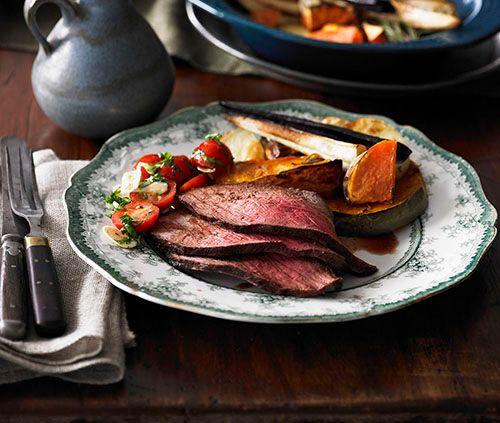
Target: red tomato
x: 211, y: 156
x: 199, y: 181
x: 162, y: 201
x: 148, y: 159
x: 144, y: 173
x: 143, y: 213
x: 180, y: 171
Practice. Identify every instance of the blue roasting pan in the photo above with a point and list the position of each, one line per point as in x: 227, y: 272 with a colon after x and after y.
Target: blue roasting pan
x: 480, y: 20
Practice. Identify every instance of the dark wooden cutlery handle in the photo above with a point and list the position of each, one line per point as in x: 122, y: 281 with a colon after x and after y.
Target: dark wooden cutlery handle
x: 12, y: 289
x: 44, y: 288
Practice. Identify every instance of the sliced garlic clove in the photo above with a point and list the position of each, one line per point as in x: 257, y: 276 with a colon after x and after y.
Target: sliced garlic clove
x: 117, y: 237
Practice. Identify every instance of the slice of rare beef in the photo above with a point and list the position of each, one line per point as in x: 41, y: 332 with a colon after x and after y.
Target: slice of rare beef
x: 275, y: 273
x: 184, y: 233
x: 253, y: 208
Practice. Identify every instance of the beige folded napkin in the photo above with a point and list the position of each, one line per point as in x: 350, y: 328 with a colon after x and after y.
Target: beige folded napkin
x: 92, y: 349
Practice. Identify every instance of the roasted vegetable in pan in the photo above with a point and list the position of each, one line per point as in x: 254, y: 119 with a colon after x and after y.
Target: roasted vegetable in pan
x: 349, y: 33
x: 304, y: 172
x: 372, y: 176
x: 315, y: 14
x: 410, y: 201
x: 427, y: 15
x: 356, y: 21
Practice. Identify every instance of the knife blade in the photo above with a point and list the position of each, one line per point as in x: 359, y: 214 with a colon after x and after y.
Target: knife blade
x: 43, y: 280
x: 13, y: 301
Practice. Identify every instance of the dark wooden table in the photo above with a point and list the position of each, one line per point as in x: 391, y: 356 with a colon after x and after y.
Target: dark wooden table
x: 439, y: 359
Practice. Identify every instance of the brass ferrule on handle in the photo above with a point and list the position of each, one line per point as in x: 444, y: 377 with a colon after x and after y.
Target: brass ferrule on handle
x: 32, y: 241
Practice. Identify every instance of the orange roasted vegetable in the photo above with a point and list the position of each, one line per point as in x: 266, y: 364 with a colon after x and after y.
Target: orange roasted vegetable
x: 304, y: 172
x: 338, y: 34
x: 410, y: 201
x: 349, y: 33
x: 317, y: 16
x: 371, y: 177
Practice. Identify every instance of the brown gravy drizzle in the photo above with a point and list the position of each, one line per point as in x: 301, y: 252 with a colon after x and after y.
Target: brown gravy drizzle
x: 380, y: 245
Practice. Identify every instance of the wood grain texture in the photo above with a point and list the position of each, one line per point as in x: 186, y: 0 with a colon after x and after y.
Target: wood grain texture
x: 438, y: 360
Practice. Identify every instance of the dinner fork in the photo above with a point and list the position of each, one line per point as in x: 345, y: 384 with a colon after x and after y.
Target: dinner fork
x: 42, y: 275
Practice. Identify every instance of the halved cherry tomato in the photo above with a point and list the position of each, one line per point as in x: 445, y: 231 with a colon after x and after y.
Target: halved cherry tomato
x: 162, y: 201
x: 199, y: 181
x: 180, y: 171
x: 143, y: 213
x: 144, y: 173
x: 148, y: 159
x: 213, y: 157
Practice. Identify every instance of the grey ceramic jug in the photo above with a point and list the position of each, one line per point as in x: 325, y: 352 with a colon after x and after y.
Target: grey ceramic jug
x: 101, y: 69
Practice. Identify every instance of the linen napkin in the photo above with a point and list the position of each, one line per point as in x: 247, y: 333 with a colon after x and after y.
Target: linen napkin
x: 92, y: 349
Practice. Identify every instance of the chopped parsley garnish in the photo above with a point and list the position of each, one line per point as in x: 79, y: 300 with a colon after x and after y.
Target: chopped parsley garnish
x: 115, y: 201
x: 166, y: 160
x: 216, y: 137
x: 128, y: 228
x: 213, y: 160
x: 201, y: 156
x: 153, y: 178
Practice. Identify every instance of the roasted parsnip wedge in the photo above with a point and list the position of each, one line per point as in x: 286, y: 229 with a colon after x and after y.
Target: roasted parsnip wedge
x: 305, y: 143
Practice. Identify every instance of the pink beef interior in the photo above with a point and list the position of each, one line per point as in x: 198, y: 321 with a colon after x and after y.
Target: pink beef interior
x: 252, y: 208
x: 274, y: 272
x: 184, y: 233
x: 249, y: 204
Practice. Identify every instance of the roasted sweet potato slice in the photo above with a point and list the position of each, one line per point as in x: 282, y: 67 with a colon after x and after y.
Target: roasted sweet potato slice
x: 410, y: 201
x: 338, y: 34
x: 372, y: 176
x: 310, y: 173
x: 317, y: 16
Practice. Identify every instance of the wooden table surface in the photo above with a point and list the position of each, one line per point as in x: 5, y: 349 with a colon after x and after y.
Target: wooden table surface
x: 436, y: 359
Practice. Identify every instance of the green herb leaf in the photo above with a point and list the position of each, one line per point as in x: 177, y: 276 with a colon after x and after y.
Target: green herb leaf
x: 202, y: 157
x: 153, y: 178
x: 128, y: 228
x: 216, y: 137
x: 166, y: 159
x: 115, y: 201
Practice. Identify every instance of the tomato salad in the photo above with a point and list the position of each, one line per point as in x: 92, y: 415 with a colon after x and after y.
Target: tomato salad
x: 152, y: 186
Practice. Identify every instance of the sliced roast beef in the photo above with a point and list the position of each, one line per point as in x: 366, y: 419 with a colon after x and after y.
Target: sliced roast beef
x: 273, y: 272
x: 181, y: 232
x: 252, y: 208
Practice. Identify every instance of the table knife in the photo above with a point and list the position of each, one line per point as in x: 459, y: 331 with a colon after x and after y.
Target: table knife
x: 42, y: 276
x: 13, y: 299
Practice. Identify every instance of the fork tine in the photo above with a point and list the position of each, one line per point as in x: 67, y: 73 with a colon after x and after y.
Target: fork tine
x: 25, y: 163
x: 13, y: 175
x: 22, y: 181
x: 26, y: 183
x: 36, y: 193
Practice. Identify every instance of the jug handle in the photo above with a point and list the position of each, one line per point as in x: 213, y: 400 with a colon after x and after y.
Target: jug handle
x: 68, y: 11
